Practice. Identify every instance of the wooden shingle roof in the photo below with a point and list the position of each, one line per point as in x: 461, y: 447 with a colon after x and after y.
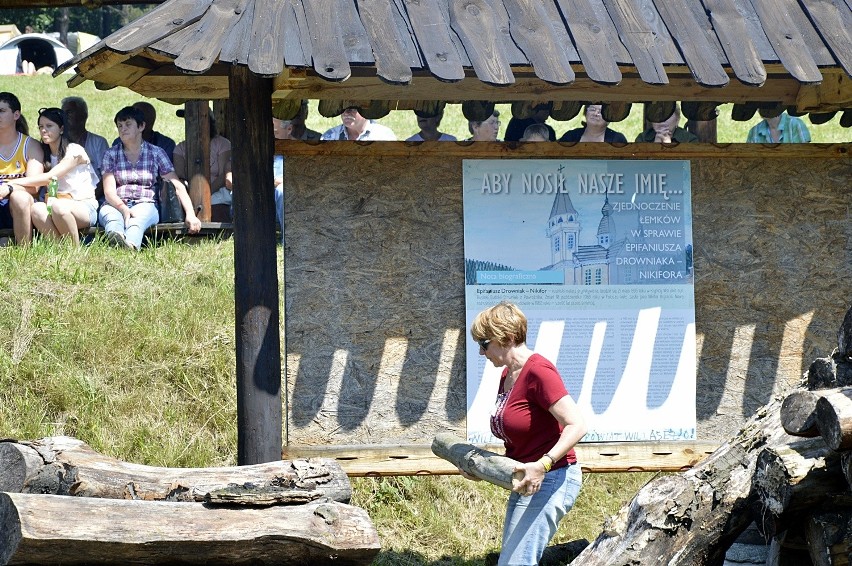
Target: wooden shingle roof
x: 798, y: 53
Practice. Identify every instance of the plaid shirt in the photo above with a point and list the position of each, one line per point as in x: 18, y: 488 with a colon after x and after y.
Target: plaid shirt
x: 136, y: 181
x: 790, y: 130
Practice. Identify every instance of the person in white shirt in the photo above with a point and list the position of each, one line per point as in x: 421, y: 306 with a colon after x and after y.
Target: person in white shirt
x: 76, y: 114
x: 429, y: 128
x: 356, y: 127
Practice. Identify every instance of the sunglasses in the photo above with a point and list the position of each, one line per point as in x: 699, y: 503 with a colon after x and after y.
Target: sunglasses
x: 484, y: 344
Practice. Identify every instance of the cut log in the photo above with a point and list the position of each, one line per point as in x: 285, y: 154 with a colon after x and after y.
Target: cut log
x: 47, y: 529
x: 67, y: 466
x: 826, y: 533
x: 834, y: 418
x: 691, y: 518
x: 798, y: 413
x: 790, y: 480
x: 483, y: 464
x: 822, y: 374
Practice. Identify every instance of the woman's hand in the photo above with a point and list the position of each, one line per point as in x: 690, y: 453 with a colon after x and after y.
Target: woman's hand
x: 193, y: 224
x: 527, y: 478
x: 127, y: 213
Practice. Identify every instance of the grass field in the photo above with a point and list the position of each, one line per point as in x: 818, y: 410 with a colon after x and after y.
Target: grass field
x: 41, y: 90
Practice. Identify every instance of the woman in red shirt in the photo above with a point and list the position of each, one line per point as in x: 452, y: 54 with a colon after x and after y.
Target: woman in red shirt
x: 539, y: 424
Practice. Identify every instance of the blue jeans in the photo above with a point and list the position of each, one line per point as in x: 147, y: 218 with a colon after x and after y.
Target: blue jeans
x: 146, y: 216
x: 532, y: 521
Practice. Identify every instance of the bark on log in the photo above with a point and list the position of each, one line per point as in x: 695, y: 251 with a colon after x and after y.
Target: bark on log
x: 67, y: 466
x: 798, y: 413
x: 691, y: 518
x: 826, y: 533
x: 48, y: 529
x: 822, y: 374
x: 834, y: 418
x: 790, y: 480
x: 484, y: 464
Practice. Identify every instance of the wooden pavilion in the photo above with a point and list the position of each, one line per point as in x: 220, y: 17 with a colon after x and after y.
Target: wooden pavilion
x: 381, y: 55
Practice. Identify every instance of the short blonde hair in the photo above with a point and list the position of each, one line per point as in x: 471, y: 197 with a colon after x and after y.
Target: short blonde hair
x: 504, y: 322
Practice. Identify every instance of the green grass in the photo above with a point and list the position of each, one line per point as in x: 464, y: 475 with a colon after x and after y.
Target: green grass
x: 42, y: 90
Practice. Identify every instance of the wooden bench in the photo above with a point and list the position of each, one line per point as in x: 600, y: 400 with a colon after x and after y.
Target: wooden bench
x: 165, y: 230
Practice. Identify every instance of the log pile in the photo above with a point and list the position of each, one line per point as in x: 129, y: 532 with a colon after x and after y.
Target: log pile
x: 61, y: 501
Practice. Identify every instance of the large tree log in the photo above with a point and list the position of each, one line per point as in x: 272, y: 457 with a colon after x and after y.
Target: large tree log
x: 834, y: 418
x: 483, y: 464
x: 52, y: 529
x: 67, y: 466
x: 791, y: 480
x: 691, y: 518
x: 826, y: 534
x: 798, y: 413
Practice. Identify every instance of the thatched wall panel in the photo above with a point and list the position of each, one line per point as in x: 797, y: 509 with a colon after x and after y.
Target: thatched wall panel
x: 375, y: 298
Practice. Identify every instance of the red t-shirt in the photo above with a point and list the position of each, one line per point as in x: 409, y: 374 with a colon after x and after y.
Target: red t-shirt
x: 522, y: 419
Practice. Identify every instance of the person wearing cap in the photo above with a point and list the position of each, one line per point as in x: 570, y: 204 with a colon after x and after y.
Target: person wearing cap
x: 517, y: 126
x: 429, y: 128
x: 356, y: 127
x: 667, y: 131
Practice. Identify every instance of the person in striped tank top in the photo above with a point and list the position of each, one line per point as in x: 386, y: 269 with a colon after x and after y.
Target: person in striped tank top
x: 20, y: 155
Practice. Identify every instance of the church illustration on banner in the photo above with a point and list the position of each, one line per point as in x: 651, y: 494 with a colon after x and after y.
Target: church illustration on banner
x: 611, y: 260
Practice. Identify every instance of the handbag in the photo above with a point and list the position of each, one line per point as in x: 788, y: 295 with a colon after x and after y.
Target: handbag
x: 169, y: 204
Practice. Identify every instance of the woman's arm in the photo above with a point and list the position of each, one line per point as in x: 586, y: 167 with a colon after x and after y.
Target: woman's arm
x: 574, y: 426
x: 191, y: 220
x: 68, y: 163
x: 111, y: 196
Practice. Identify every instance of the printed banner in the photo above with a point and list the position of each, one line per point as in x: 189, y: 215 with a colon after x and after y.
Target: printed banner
x: 598, y: 255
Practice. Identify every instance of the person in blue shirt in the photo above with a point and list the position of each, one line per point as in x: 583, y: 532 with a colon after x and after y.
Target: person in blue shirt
x: 782, y: 128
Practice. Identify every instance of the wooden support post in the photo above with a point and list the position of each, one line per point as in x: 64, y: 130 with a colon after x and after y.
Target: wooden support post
x: 52, y: 529
x: 198, y: 156
x: 259, y: 413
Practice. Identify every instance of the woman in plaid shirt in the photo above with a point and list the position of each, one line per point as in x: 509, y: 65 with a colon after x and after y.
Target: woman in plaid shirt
x: 130, y: 172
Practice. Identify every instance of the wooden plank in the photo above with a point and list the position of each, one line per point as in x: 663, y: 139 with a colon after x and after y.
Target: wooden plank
x: 266, y: 54
x: 534, y: 32
x: 378, y: 20
x: 698, y: 52
x: 594, y: 49
x: 787, y: 40
x: 418, y: 459
x: 513, y: 53
x: 237, y: 44
x: 639, y: 39
x: 52, y: 529
x: 156, y: 24
x: 619, y: 51
x: 432, y: 31
x: 406, y: 31
x: 834, y: 21
x: 563, y: 150
x: 297, y: 39
x: 354, y: 36
x: 203, y: 48
x: 738, y: 45
x: 475, y: 23
x: 664, y: 41
x: 330, y: 60
x: 702, y: 17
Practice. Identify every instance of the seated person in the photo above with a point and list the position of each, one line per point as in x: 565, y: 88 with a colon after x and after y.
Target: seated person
x: 778, y: 129
x: 220, y: 165
x: 76, y: 115
x: 429, y: 128
x: 75, y: 206
x: 517, y: 126
x: 22, y: 156
x: 536, y: 133
x: 300, y: 130
x: 162, y: 141
x: 356, y: 127
x: 667, y: 131
x: 131, y: 169
x: 594, y: 129
x: 485, y: 130
x: 282, y: 130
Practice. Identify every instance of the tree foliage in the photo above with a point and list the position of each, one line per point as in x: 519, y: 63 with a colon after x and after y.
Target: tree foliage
x: 100, y: 21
